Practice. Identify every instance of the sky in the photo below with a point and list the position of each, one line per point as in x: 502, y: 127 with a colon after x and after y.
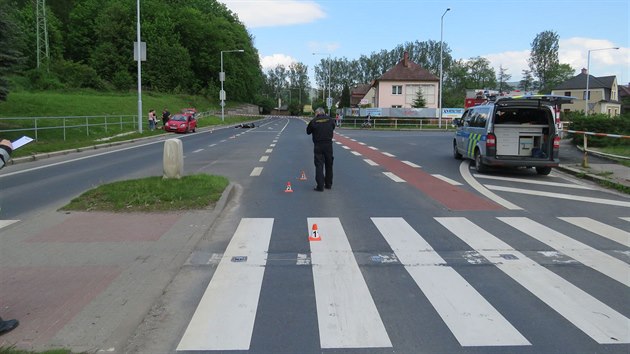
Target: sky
x: 287, y: 31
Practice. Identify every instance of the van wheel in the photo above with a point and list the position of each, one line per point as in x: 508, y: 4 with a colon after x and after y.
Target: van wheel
x: 543, y: 170
x: 481, y: 168
x: 456, y: 153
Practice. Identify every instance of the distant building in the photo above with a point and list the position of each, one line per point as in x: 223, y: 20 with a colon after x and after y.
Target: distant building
x: 362, y: 95
x: 603, y: 94
x: 399, y: 86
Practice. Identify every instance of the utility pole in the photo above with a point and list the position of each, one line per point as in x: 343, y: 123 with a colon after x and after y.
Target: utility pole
x: 42, y: 33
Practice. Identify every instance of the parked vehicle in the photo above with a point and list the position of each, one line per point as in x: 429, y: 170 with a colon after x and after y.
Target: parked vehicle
x: 191, y: 111
x: 181, y: 123
x: 516, y: 131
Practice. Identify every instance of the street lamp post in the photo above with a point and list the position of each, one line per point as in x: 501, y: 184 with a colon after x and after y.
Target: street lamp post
x: 139, y: 68
x: 329, y: 100
x: 441, y: 70
x: 222, y: 78
x: 588, y: 74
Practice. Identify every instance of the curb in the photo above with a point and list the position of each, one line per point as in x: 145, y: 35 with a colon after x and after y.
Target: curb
x: 589, y: 176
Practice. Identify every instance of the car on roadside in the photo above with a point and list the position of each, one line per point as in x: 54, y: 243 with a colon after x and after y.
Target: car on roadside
x: 181, y: 123
x: 192, y: 111
x: 518, y: 131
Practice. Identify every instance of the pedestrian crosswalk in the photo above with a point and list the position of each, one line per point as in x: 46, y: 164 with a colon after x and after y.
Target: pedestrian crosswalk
x: 349, y: 315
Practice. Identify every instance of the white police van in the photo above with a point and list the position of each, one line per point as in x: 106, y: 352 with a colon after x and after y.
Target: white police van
x: 518, y: 131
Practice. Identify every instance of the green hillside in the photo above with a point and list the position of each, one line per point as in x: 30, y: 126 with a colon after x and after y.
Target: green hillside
x: 86, y: 103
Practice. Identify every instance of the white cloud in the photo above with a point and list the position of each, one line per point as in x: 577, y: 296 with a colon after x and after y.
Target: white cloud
x: 272, y: 13
x: 322, y: 47
x: 572, y: 51
x: 271, y: 61
x: 513, y: 63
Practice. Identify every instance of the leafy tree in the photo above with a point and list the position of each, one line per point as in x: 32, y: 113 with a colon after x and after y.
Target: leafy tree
x: 9, y: 57
x: 419, y: 101
x: 544, y: 57
x: 479, y: 73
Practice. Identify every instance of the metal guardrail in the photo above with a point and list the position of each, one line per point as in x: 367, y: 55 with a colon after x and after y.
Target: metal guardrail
x: 585, y: 144
x: 72, y: 122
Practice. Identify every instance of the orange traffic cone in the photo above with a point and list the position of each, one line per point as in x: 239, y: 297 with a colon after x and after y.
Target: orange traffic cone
x: 303, y: 176
x: 288, y: 188
x: 314, y: 236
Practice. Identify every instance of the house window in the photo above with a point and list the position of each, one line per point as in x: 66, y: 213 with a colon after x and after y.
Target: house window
x: 584, y: 95
x: 397, y: 90
x: 428, y: 93
x: 567, y: 93
x: 396, y: 106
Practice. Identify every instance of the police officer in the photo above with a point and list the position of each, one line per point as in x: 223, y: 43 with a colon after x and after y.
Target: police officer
x: 321, y: 127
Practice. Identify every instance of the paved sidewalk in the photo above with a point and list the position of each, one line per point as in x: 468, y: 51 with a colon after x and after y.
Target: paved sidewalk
x: 599, y: 168
x: 85, y: 281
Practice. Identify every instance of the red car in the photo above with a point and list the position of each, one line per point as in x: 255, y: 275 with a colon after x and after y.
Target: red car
x: 181, y: 123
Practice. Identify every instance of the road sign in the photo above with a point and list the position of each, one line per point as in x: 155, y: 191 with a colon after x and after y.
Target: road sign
x: 329, y: 102
x: 222, y: 95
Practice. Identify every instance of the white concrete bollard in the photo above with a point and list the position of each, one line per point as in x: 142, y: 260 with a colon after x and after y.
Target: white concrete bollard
x: 173, y: 159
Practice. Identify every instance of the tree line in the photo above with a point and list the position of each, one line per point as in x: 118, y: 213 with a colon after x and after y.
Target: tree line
x: 544, y: 71
x: 90, y: 45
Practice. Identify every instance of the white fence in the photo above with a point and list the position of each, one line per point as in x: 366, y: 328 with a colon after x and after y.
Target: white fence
x: 38, y: 124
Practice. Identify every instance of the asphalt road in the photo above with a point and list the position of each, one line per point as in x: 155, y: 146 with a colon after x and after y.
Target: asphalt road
x: 418, y: 253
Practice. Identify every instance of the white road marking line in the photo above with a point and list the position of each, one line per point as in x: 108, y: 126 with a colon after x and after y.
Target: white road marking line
x: 582, y: 253
x: 5, y: 223
x: 256, y: 171
x: 356, y: 153
x: 560, y: 196
x: 264, y: 158
x: 370, y: 162
x: 224, y: 319
x: 394, y: 177
x: 346, y: 147
x: 604, y: 230
x: 409, y: 163
x: 272, y: 145
x: 447, y: 180
x: 596, y: 319
x: 372, y: 147
x: 470, y: 317
x: 212, y: 145
x: 464, y: 171
x: 198, y: 150
x: 361, y: 143
x: 388, y: 154
x: 532, y: 181
x: 268, y: 151
x: 346, y: 313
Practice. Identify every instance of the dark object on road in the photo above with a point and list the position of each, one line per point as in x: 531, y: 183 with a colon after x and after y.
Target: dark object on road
x: 246, y: 125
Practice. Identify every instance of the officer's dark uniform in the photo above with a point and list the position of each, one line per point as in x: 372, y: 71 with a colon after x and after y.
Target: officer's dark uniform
x: 321, y: 127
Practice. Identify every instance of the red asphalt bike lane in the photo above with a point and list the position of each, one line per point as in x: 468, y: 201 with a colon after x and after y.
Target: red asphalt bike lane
x: 452, y: 197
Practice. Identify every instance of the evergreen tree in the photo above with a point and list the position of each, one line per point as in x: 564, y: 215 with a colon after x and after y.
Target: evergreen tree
x: 419, y: 102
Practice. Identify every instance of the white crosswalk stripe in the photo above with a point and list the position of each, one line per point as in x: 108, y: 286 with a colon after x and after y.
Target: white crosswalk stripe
x: 349, y: 317
x: 601, y: 229
x: 346, y: 313
x: 225, y: 316
x: 596, y: 319
x: 598, y: 260
x: 473, y: 321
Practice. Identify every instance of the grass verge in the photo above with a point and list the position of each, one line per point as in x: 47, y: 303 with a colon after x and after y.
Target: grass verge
x: 152, y: 194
